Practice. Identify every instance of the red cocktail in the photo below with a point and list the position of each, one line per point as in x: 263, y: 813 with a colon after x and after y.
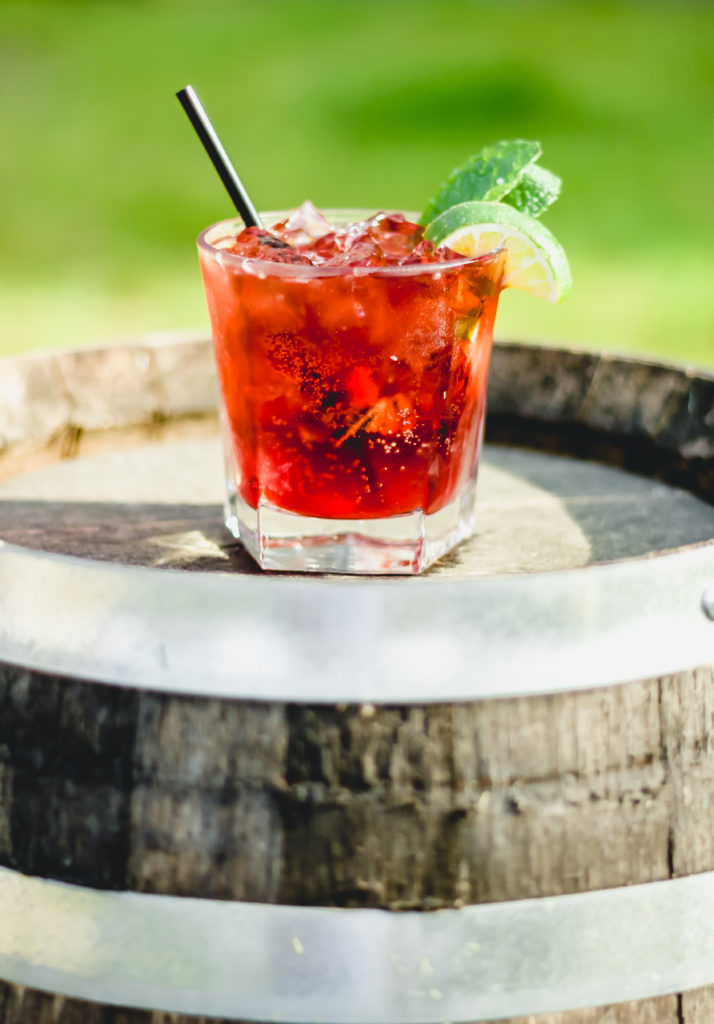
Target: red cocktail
x: 352, y: 360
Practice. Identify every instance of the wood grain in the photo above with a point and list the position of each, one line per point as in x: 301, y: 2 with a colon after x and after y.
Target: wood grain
x: 395, y: 807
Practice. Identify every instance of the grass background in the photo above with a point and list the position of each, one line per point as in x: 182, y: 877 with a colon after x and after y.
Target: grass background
x: 352, y: 102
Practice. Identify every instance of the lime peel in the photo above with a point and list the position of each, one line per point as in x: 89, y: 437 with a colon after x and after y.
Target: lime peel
x: 535, y: 261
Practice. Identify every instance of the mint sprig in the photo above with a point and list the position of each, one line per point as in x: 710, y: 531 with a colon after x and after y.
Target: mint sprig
x: 504, y: 172
x: 535, y: 191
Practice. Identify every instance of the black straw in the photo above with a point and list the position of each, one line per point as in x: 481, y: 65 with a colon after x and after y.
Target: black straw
x: 219, y: 158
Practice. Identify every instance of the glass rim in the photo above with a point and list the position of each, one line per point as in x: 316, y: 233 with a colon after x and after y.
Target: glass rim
x: 263, y: 268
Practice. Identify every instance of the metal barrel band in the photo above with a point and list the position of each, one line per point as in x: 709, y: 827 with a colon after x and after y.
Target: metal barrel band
x: 285, y: 640
x: 248, y: 961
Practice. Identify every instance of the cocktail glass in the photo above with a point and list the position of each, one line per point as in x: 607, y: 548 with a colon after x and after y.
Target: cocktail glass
x: 352, y: 403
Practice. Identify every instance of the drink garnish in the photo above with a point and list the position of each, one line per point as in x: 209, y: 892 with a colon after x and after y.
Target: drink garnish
x: 535, y: 190
x: 489, y: 174
x: 535, y: 260
x: 491, y: 202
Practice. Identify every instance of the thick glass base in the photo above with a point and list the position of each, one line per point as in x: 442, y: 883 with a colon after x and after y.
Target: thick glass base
x: 405, y: 544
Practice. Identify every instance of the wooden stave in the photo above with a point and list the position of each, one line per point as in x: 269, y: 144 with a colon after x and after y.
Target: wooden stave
x: 100, y: 783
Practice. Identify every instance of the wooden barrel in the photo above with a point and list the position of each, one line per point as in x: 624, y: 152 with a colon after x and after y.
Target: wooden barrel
x: 485, y: 793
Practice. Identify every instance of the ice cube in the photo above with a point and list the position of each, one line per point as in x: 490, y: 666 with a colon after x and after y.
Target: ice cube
x: 303, y: 226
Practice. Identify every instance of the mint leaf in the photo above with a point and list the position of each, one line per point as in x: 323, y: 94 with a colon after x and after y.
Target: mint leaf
x: 488, y: 175
x: 535, y: 190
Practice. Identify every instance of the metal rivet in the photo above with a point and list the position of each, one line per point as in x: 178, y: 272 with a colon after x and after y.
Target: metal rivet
x: 708, y: 601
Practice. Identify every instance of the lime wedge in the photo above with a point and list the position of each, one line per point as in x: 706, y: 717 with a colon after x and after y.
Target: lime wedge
x: 535, y: 261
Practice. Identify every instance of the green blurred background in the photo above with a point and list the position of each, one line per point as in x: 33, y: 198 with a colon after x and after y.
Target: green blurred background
x: 367, y: 103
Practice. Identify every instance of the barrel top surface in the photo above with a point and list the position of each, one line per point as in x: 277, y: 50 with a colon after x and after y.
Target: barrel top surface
x: 160, y: 505
x: 568, y: 551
